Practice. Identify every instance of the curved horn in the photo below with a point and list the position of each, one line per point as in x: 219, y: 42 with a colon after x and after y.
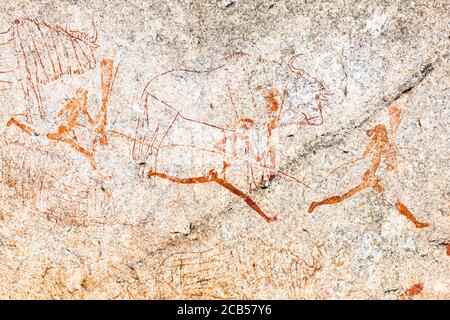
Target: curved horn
x: 94, y: 36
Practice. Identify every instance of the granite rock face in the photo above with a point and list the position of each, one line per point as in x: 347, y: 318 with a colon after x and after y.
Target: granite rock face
x: 147, y: 147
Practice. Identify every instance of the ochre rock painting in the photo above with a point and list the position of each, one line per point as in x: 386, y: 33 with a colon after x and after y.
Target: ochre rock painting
x: 217, y: 151
x: 68, y: 118
x: 276, y: 95
x: 42, y: 53
x: 380, y: 148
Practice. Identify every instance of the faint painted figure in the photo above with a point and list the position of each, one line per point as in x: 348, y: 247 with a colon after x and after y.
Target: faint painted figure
x: 247, y: 272
x: 35, y: 53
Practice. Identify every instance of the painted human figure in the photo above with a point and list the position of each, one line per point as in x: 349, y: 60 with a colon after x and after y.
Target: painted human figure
x: 77, y: 107
x: 380, y: 148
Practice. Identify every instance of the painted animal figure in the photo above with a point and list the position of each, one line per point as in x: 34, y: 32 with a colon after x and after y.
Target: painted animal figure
x: 42, y: 53
x: 217, y: 125
x: 381, y: 148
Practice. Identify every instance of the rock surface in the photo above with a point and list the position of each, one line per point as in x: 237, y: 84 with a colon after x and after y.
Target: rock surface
x: 83, y: 218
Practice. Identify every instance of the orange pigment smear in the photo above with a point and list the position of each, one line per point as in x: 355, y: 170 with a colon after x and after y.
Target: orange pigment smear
x: 415, y: 289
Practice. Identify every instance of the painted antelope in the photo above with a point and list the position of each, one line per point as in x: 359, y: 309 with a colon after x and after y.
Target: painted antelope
x: 212, y: 125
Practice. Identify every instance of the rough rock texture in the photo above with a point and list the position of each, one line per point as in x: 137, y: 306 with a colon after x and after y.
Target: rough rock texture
x: 85, y: 212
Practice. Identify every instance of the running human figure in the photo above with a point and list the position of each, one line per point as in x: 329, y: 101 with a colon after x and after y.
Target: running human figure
x: 71, y: 115
x: 380, y: 149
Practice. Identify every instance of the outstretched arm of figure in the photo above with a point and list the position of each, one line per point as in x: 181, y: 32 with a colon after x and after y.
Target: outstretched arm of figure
x: 395, y: 117
x: 373, y: 142
x: 20, y: 125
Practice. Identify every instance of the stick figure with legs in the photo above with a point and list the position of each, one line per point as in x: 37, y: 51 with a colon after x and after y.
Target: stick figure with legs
x: 381, y: 148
